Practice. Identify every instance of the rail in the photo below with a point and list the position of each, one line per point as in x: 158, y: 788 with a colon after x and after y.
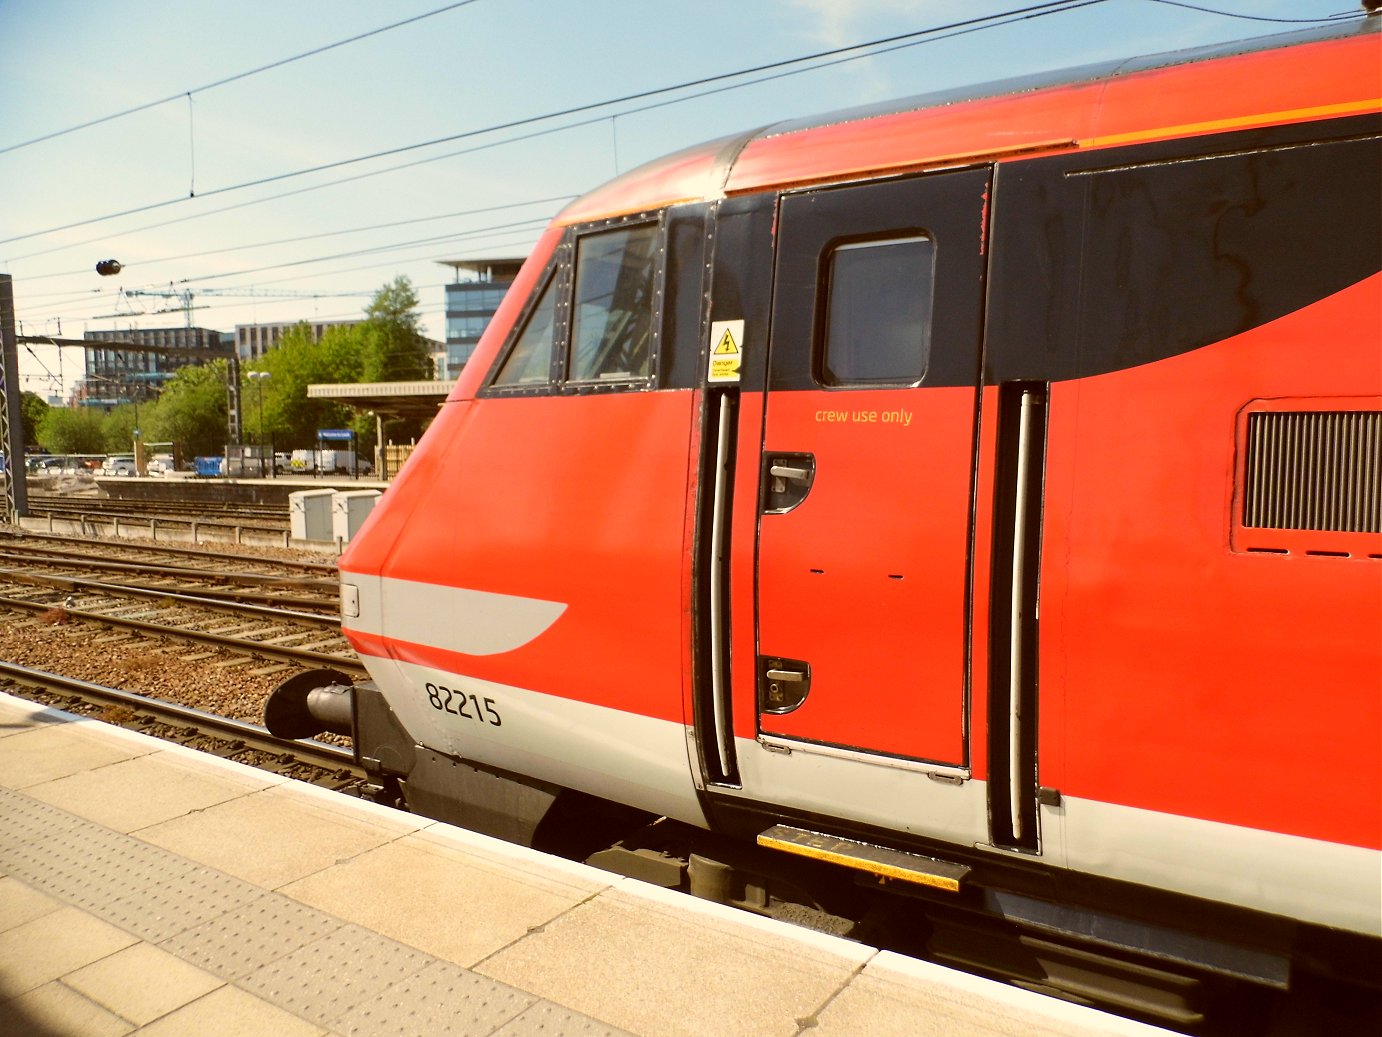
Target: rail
x: 252, y: 735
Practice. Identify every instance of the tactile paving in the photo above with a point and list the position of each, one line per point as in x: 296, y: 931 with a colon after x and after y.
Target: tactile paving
x: 183, y: 898
x: 335, y: 975
x: 26, y: 818
x: 443, y: 999
x: 145, y: 890
x: 238, y: 942
x: 332, y: 975
x: 545, y: 1019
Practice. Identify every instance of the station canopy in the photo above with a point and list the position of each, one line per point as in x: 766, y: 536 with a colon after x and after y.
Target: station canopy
x: 387, y: 399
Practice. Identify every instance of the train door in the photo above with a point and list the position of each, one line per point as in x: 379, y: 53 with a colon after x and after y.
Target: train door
x: 867, y: 482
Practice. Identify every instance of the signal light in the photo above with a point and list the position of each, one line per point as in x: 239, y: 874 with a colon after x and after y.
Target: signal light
x: 108, y: 267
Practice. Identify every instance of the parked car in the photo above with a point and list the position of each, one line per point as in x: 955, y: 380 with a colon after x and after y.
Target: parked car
x: 43, y: 464
x: 118, y: 464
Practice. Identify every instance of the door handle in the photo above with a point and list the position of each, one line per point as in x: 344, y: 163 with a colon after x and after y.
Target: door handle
x: 787, y: 479
x: 780, y: 472
x: 783, y: 684
x: 791, y: 676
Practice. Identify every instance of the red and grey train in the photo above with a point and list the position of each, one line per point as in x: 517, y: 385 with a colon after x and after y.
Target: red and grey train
x: 980, y: 491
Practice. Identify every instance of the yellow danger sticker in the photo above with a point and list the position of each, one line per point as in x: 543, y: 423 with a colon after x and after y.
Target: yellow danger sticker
x: 726, y: 350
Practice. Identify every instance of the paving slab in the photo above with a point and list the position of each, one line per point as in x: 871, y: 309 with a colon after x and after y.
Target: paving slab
x: 17, y: 715
x: 545, y: 1019
x: 229, y: 1012
x: 143, y: 889
x: 19, y: 904
x: 144, y: 791
x: 55, y: 1010
x: 441, y: 1000
x: 49, y: 751
x: 644, y: 962
x: 440, y: 898
x: 49, y: 947
x: 274, y: 837
x: 121, y: 983
x: 901, y: 997
x: 234, y: 944
x: 289, y: 911
x: 335, y: 974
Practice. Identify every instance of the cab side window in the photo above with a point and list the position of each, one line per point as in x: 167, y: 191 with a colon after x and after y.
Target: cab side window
x: 612, y: 315
x: 530, y: 360
x: 594, y: 326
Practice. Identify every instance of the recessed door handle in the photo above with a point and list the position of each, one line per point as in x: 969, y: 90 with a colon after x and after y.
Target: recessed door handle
x: 787, y: 480
x: 794, y: 676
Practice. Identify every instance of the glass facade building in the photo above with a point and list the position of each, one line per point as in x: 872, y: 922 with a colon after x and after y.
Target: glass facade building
x: 471, y: 300
x: 115, y: 376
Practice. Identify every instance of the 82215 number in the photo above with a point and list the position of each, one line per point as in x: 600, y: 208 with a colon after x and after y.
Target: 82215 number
x: 454, y: 702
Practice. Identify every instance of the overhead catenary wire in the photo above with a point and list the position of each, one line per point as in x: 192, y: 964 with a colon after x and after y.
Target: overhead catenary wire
x: 488, y: 238
x: 535, y: 224
x: 1021, y: 14
x: 1354, y: 13
x: 356, y: 177
x: 1065, y: 5
x: 233, y: 78
x: 990, y: 20
x: 722, y: 85
x: 313, y: 237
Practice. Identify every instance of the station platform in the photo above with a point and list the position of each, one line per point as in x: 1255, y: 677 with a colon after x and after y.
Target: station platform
x: 151, y: 889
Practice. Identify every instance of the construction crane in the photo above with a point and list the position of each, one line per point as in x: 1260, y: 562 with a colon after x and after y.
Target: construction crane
x: 185, y: 297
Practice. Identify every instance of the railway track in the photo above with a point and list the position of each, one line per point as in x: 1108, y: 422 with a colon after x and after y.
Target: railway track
x: 275, y: 515
x: 211, y: 630
x: 330, y: 766
x: 267, y: 632
x: 167, y: 554
x: 282, y: 581
x: 87, y: 512
x: 182, y: 643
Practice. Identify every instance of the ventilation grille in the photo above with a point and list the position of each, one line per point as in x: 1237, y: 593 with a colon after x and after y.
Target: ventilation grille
x: 1314, y: 470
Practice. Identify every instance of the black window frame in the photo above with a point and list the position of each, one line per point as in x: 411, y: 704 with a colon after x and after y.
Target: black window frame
x: 560, y: 277
x: 553, y: 279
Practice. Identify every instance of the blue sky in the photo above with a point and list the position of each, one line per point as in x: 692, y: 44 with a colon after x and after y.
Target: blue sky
x: 478, y: 65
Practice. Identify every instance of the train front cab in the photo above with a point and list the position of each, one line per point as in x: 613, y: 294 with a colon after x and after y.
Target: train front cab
x: 1014, y: 514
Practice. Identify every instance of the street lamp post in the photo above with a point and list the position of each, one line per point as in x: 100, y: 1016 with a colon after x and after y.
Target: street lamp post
x: 137, y: 437
x: 258, y: 378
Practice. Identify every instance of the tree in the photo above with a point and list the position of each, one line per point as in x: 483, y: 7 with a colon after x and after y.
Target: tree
x: 386, y: 346
x: 71, y: 430
x: 33, y: 407
x: 291, y: 419
x: 117, y: 427
x: 192, y: 410
x: 394, y: 349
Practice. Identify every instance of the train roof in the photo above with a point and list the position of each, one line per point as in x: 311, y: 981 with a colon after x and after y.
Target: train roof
x: 1311, y: 74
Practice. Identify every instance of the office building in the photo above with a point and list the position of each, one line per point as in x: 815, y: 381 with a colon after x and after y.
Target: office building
x: 471, y: 300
